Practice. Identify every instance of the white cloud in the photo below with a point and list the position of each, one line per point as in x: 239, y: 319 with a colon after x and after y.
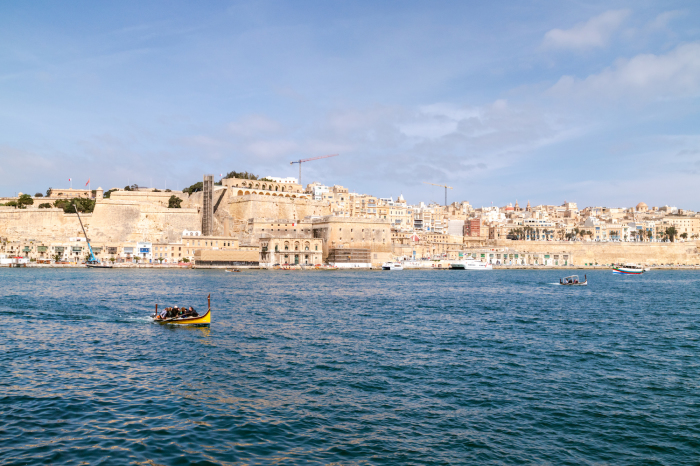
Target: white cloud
x: 595, y: 32
x: 662, y: 20
x: 645, y: 77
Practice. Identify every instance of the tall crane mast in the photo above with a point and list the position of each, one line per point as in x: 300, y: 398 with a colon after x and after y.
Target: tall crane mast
x: 442, y: 186
x: 309, y: 160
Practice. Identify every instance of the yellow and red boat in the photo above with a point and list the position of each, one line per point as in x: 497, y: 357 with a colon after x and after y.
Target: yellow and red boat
x: 199, y: 320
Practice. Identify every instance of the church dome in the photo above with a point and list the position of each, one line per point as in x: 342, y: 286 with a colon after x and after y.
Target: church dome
x: 642, y: 207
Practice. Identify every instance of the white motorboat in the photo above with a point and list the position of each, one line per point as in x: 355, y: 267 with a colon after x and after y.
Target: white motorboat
x: 470, y: 264
x: 392, y: 266
x: 573, y: 280
x: 628, y: 269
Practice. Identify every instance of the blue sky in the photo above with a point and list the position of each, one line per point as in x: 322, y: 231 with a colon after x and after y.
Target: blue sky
x: 592, y: 102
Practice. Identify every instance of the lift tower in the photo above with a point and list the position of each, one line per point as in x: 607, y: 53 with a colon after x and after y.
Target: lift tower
x: 442, y: 186
x: 309, y: 160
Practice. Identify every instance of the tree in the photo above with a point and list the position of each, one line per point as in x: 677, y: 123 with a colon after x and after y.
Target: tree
x: 174, y: 202
x: 24, y: 200
x: 243, y: 176
x: 198, y: 186
x: 684, y: 235
x: 45, y: 205
x: 49, y: 192
x: 38, y: 195
x: 168, y: 191
x: 109, y: 193
x: 671, y: 232
x: 650, y: 234
x: 160, y: 259
x: 185, y: 260
x: 11, y: 203
x: 57, y: 257
x: 112, y: 259
x: 133, y: 187
x: 84, y: 205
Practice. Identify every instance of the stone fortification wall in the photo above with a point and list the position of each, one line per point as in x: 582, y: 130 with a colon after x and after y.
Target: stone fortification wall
x: 160, y: 198
x: 608, y: 253
x: 112, y: 220
x: 355, y: 233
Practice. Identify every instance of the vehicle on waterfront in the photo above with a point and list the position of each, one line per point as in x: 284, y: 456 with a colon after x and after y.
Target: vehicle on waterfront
x: 628, y: 269
x: 470, y: 264
x: 392, y: 266
x: 93, y: 262
x: 573, y: 280
x: 199, y: 320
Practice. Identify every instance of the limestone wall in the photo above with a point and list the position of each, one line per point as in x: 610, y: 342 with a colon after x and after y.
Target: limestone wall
x: 112, y: 220
x: 608, y: 253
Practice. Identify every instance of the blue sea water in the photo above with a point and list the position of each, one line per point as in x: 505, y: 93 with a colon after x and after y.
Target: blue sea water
x: 349, y: 367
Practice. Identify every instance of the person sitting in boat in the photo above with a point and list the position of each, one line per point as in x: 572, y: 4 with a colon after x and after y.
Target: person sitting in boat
x: 162, y: 314
x: 191, y: 312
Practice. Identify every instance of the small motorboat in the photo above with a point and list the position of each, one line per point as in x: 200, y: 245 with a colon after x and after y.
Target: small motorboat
x: 392, y: 266
x: 199, y: 320
x: 573, y: 280
x: 231, y: 271
x: 628, y: 269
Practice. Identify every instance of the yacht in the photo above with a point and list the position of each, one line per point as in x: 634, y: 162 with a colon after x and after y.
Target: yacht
x: 470, y: 264
x: 392, y: 266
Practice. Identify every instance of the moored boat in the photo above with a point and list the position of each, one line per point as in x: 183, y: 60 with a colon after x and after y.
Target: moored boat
x: 470, y: 264
x: 628, y: 269
x: 198, y: 320
x: 392, y: 266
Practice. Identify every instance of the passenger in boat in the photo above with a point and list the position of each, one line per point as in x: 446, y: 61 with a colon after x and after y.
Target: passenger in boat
x: 163, y: 313
x: 192, y: 313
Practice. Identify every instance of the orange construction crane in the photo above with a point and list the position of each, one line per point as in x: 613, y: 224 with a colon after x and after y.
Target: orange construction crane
x: 442, y: 186
x: 309, y: 160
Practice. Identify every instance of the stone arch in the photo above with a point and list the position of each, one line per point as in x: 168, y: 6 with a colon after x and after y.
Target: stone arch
x: 296, y: 245
x: 306, y: 246
x: 286, y: 195
x: 264, y: 186
x: 274, y: 194
x: 257, y: 185
x: 277, y: 188
x: 267, y: 194
x: 283, y: 188
x: 286, y: 245
x: 247, y: 192
x: 240, y: 192
x: 293, y: 196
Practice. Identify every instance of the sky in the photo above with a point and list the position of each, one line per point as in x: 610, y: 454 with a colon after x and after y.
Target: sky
x: 541, y: 101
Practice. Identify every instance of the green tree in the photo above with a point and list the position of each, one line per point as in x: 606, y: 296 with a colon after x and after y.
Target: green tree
x: 57, y: 257
x: 45, y: 205
x: 48, y: 192
x: 11, y: 203
x: 160, y: 259
x: 24, y: 200
x: 184, y: 259
x: 242, y: 175
x: 109, y: 193
x: 112, y: 259
x: 650, y: 234
x: 38, y: 195
x: 671, y: 232
x: 174, y: 202
x: 684, y: 235
x: 83, y: 205
x: 198, y: 186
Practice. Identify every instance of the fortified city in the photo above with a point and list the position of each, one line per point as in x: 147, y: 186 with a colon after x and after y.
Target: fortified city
x: 273, y: 222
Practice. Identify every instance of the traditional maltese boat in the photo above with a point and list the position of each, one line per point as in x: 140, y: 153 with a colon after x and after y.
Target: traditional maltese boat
x: 573, y: 281
x: 199, y: 320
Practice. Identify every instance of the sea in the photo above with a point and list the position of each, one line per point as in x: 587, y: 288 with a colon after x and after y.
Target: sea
x: 501, y: 367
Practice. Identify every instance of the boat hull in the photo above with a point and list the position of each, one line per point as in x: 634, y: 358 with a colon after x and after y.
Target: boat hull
x: 624, y: 271
x: 199, y: 320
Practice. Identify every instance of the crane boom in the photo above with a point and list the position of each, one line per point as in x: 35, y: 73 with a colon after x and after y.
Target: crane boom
x: 442, y: 186
x: 300, y: 161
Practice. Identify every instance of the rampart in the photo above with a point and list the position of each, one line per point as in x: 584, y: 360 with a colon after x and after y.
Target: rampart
x: 112, y: 220
x: 584, y: 252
